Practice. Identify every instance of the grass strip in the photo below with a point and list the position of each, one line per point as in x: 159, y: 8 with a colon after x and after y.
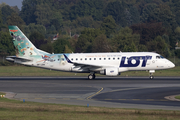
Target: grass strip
x: 33, y: 71
x: 17, y: 110
x: 177, y: 97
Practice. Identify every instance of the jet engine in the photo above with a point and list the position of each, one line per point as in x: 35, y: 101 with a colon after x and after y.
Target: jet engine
x: 110, y: 72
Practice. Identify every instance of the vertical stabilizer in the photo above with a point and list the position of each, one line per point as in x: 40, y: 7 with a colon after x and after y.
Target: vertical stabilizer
x: 23, y: 45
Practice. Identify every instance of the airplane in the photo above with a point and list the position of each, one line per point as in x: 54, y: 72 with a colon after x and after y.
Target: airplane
x: 109, y: 64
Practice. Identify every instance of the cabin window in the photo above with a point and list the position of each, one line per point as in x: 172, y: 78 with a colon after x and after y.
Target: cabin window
x: 89, y: 58
x: 76, y: 58
x: 85, y: 58
x: 118, y: 58
x: 72, y: 59
x: 99, y: 58
x: 104, y: 58
x: 94, y: 58
x: 109, y: 58
x: 113, y: 58
x: 81, y: 59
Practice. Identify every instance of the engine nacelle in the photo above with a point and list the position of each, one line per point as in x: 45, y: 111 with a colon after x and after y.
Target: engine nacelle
x: 110, y: 72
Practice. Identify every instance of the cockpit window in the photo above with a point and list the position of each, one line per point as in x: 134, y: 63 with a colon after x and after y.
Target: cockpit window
x: 159, y: 57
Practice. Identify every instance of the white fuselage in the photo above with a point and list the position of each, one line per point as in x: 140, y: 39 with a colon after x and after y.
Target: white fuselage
x: 96, y: 62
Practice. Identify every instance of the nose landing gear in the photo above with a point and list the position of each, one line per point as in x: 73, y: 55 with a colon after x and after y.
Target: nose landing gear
x: 151, y: 74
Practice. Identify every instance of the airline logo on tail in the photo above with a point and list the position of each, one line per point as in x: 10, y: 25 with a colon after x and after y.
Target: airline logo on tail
x: 13, y: 30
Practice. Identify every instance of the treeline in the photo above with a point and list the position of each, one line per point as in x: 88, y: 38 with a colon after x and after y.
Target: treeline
x: 95, y: 25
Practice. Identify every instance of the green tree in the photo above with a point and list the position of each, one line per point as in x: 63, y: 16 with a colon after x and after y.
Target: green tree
x: 51, y: 29
x: 6, y: 11
x: 130, y: 48
x: 2, y: 4
x: 73, y: 42
x: 29, y: 29
x: 1, y: 21
x: 108, y: 25
x: 117, y: 11
x: 85, y: 40
x: 91, y: 34
x: 147, y: 11
x: 83, y: 22
x: 92, y: 8
x: 142, y: 48
x: 6, y: 44
x: 61, y: 45
x: 27, y: 11
x: 67, y: 50
x: 66, y: 12
x: 158, y: 45
x: 83, y: 44
x: 148, y: 31
x: 47, y: 47
x: 125, y: 40
x: 177, y: 53
x: 164, y: 14
x: 37, y: 39
x: 56, y: 20
x: 101, y: 44
x: 175, y: 7
x: 43, y: 14
x: 14, y: 19
x: 175, y: 37
x: 135, y: 15
x: 16, y: 9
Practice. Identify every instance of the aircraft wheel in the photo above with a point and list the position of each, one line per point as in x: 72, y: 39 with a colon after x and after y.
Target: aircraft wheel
x: 151, y: 77
x: 90, y: 77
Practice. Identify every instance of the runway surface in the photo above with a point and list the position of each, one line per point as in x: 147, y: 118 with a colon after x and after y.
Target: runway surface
x: 117, y: 92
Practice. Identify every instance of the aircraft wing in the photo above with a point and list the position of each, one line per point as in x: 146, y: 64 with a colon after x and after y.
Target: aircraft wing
x: 85, y: 65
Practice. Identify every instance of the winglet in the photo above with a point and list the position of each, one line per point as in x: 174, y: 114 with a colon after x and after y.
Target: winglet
x: 69, y: 61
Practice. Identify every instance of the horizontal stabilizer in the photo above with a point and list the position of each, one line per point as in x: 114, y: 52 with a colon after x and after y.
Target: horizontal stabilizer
x: 17, y: 59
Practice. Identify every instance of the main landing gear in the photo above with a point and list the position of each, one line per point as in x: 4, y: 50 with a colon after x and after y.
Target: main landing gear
x: 91, y: 76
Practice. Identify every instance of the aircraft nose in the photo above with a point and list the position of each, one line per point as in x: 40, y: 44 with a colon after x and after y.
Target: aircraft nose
x: 171, y: 65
